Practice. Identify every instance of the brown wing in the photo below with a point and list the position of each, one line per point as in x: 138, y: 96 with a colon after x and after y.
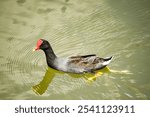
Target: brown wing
x: 84, y: 56
x: 86, y: 61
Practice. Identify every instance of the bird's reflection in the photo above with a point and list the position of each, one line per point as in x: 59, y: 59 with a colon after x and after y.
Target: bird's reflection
x: 50, y: 73
x: 47, y: 79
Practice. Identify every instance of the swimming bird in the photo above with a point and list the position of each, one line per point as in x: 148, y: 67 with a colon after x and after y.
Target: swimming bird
x: 75, y: 64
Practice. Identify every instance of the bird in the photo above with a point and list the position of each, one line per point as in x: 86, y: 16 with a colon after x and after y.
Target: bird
x: 79, y: 64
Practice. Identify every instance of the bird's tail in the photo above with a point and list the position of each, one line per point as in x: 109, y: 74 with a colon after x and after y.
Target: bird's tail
x: 107, y: 60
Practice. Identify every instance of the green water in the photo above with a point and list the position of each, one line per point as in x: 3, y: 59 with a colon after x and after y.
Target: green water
x: 74, y: 27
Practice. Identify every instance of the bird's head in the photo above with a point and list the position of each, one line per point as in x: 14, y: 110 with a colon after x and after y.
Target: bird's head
x: 42, y: 44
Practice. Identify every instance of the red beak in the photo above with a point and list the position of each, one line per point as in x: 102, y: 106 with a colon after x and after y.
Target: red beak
x: 39, y: 42
x: 36, y: 48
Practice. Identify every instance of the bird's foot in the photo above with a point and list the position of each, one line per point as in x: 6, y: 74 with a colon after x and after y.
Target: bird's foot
x: 90, y: 81
x: 98, y: 74
x: 92, y: 78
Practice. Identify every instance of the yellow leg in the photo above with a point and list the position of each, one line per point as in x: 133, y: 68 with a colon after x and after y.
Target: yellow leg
x: 93, y: 78
x: 108, y: 69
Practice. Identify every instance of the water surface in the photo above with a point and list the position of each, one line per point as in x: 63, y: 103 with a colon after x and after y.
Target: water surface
x: 73, y: 27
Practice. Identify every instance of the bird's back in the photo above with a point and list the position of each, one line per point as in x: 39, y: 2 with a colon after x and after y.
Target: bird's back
x: 81, y: 64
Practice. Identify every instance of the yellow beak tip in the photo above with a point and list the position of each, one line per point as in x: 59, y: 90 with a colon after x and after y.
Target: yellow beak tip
x: 33, y: 50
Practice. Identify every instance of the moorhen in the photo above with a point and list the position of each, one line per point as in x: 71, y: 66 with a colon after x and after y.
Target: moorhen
x: 74, y: 64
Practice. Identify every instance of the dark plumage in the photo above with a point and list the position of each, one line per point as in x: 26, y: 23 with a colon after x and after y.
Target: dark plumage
x: 74, y: 64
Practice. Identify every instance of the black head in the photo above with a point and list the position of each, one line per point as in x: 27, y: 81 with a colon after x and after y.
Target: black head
x: 42, y: 44
x: 46, y: 47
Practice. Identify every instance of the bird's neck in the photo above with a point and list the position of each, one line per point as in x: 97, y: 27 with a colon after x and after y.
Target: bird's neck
x: 50, y: 57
